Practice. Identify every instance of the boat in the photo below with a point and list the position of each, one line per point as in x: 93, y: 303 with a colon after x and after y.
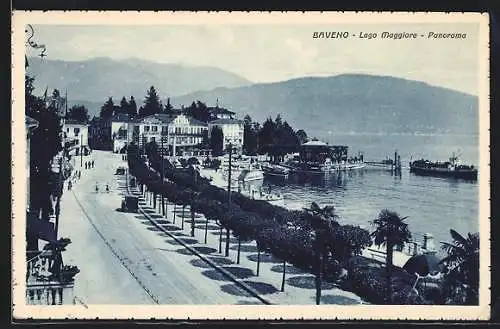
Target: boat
x: 248, y: 175
x: 266, y: 196
x: 449, y: 169
x: 275, y: 170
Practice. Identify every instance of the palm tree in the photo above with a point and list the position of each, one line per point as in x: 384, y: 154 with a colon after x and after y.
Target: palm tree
x: 321, y: 221
x: 391, y: 231
x: 462, y: 262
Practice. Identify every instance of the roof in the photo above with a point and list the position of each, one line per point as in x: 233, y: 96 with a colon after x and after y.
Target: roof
x: 194, y: 122
x: 120, y: 117
x: 315, y: 143
x: 75, y: 122
x: 167, y: 119
x: 220, y: 110
x: 164, y: 118
x: 30, y: 122
x: 226, y: 121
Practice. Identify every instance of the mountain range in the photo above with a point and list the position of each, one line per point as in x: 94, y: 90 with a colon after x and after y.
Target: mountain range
x: 352, y: 103
x: 99, y: 78
x: 347, y: 103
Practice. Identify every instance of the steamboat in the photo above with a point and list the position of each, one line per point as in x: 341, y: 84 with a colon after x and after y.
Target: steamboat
x: 449, y: 169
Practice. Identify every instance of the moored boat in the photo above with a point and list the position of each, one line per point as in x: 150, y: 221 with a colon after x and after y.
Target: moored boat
x: 275, y: 170
x: 248, y: 175
x: 450, y: 169
x: 266, y: 196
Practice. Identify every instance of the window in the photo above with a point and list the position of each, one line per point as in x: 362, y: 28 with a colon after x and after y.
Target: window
x: 67, y: 130
x: 146, y: 128
x: 154, y: 128
x: 153, y: 139
x: 76, y: 131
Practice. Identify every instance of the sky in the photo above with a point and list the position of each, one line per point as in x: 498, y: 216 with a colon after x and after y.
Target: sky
x: 280, y: 52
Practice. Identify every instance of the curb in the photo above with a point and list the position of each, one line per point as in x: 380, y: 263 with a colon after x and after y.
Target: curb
x: 208, y: 261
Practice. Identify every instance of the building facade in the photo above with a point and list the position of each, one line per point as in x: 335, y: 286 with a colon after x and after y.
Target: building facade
x: 31, y: 124
x: 232, y: 130
x: 76, y: 136
x: 119, y: 128
x: 177, y: 135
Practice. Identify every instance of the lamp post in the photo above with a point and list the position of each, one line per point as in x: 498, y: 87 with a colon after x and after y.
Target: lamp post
x: 230, y: 149
x: 81, y: 150
x: 162, y: 173
x: 58, y: 200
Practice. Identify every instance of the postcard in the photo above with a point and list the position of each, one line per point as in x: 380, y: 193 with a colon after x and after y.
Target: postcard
x: 250, y: 165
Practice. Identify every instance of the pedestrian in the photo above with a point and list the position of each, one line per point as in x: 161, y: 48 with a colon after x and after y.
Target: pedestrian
x: 79, y: 174
x: 92, y: 163
x: 85, y: 165
x: 69, y: 185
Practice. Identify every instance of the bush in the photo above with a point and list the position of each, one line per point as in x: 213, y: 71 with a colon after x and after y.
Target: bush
x: 368, y: 279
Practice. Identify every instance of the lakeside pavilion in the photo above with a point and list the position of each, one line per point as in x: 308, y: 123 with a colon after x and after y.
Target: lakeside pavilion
x: 318, y: 151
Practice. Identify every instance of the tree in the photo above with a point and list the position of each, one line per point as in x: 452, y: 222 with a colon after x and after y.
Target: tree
x: 302, y: 136
x: 107, y: 110
x: 78, y: 113
x: 199, y: 111
x: 152, y: 104
x: 462, y: 263
x: 45, y: 144
x: 250, y: 138
x: 216, y: 140
x: 124, y: 105
x: 321, y: 221
x: 391, y: 231
x: 132, y: 107
x: 266, y: 136
x: 168, y: 108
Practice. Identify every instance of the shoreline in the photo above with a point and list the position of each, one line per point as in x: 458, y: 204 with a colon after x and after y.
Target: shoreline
x: 373, y: 252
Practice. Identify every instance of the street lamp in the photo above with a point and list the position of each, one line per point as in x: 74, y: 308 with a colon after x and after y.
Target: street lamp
x: 81, y: 150
x: 162, y: 171
x: 230, y: 150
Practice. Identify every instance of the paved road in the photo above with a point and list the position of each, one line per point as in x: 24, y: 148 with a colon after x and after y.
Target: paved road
x: 122, y: 259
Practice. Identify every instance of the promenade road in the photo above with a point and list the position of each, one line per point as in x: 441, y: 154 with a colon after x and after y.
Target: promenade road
x: 122, y: 259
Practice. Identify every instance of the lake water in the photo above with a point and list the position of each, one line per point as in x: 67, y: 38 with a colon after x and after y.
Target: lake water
x: 433, y: 205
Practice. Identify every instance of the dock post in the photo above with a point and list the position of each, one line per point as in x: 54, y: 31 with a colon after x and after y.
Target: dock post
x: 394, y: 164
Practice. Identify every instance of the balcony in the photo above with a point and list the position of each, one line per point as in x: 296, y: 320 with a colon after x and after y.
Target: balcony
x: 48, y: 281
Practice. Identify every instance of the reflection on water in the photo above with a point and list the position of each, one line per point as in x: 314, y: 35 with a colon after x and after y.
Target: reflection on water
x: 433, y: 205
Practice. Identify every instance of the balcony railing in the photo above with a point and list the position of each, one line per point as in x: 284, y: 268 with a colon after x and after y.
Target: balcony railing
x: 50, y: 293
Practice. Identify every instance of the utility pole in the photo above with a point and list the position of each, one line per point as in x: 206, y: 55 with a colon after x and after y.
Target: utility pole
x: 81, y: 150
x: 162, y: 173
x: 230, y: 146
x: 59, y: 193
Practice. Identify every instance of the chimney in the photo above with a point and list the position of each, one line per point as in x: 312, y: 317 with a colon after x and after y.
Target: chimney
x: 429, y: 243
